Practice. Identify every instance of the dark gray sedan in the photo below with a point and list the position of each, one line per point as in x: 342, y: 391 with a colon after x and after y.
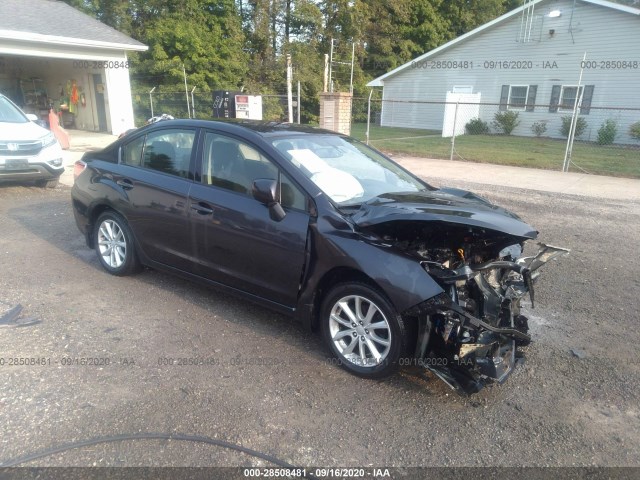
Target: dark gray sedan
x: 319, y: 226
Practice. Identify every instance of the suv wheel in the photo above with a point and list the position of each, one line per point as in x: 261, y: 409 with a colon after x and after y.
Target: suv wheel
x: 363, y: 330
x: 114, y: 244
x: 52, y: 183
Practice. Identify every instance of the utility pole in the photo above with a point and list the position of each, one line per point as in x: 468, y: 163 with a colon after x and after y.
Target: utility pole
x: 330, y: 68
x: 193, y: 104
x: 186, y: 90
x: 289, y: 89
x: 325, y: 88
x: 353, y: 54
x: 298, y: 102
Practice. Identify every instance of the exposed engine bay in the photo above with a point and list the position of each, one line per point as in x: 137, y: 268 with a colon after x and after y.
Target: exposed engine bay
x: 468, y: 336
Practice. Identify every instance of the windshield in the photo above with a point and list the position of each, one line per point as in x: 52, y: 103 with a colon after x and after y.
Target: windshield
x: 9, y: 113
x: 348, y: 171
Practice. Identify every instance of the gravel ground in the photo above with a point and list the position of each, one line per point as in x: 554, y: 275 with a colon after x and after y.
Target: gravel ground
x: 270, y: 386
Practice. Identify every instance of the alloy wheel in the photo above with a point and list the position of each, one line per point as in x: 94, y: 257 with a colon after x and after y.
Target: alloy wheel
x: 360, y: 331
x: 112, y: 243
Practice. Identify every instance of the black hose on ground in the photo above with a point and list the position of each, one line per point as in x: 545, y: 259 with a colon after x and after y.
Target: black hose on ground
x: 145, y: 436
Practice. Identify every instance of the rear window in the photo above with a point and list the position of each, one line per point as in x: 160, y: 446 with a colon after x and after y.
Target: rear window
x: 166, y: 151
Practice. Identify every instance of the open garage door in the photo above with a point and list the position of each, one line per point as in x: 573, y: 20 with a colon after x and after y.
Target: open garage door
x: 77, y: 91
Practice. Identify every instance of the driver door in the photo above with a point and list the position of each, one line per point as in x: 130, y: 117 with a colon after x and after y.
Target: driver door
x: 236, y: 241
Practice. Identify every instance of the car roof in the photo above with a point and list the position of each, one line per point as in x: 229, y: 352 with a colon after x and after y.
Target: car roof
x: 262, y: 128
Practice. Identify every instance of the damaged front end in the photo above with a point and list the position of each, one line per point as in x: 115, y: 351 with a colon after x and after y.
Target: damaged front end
x: 469, y: 335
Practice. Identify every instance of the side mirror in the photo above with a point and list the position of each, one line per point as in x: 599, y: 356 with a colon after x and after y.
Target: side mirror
x: 32, y: 117
x: 265, y: 191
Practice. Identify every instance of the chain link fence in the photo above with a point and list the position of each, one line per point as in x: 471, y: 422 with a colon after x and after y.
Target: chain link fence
x: 201, y: 105
x: 607, y: 138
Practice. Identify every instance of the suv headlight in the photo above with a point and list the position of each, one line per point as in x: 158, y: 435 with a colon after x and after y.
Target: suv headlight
x: 48, y: 140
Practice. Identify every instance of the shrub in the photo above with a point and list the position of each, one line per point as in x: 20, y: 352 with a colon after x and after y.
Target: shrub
x: 476, y: 126
x: 539, y: 128
x: 634, y: 130
x: 505, y: 122
x: 607, y: 132
x: 272, y: 109
x: 581, y: 126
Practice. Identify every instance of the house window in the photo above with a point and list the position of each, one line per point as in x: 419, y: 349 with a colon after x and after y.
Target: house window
x: 518, y: 97
x: 563, y: 97
x: 568, y: 97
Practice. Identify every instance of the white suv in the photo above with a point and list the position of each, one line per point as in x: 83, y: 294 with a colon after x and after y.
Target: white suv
x: 28, y: 152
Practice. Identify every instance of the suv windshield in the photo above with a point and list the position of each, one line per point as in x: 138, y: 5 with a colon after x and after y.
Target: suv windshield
x: 9, y: 113
x: 348, y: 171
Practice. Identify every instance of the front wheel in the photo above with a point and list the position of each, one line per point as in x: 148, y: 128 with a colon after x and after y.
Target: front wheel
x: 363, y: 330
x: 114, y: 244
x: 51, y: 183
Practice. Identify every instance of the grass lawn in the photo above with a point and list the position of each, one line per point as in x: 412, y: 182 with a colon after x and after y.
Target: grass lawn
x: 546, y: 153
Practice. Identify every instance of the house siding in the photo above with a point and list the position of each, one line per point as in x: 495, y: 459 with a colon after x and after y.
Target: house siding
x: 603, y: 33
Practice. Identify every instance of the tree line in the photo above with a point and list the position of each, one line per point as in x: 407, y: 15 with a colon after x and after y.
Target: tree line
x: 242, y: 44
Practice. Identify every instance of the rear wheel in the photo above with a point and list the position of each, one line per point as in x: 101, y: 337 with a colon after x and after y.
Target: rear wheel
x: 363, y: 330
x: 114, y: 244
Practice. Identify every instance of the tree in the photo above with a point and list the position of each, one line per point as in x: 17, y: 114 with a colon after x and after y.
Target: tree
x: 401, y: 30
x: 204, y: 35
x: 465, y: 15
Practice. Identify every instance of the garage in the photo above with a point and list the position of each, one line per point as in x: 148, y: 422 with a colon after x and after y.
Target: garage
x: 53, y: 56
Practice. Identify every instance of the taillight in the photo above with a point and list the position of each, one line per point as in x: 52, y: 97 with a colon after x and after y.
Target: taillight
x: 78, y: 168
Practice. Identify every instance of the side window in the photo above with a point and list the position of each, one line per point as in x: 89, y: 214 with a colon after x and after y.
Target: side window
x: 234, y: 165
x: 132, y: 152
x: 290, y: 195
x: 169, y: 151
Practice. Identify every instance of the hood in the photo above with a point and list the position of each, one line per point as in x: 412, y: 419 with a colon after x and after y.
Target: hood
x: 21, y: 132
x: 447, y: 205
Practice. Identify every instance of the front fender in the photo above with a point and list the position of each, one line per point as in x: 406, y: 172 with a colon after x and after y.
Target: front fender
x: 400, y: 277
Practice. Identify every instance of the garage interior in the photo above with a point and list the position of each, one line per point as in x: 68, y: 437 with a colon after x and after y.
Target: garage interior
x: 79, y: 71
x: 38, y: 84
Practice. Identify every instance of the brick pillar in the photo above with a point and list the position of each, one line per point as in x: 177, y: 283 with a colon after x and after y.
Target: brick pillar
x: 335, y: 112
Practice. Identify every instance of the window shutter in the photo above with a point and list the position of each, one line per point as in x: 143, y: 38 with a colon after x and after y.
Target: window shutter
x: 504, y: 97
x: 555, y: 98
x: 587, y: 95
x: 531, y: 98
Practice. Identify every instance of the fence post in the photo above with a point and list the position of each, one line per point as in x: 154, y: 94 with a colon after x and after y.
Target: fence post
x: 369, y: 114
x: 574, y: 121
x: 151, y: 100
x: 453, y: 134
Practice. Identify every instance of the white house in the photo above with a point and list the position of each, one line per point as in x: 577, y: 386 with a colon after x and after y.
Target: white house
x: 529, y: 60
x: 51, y: 53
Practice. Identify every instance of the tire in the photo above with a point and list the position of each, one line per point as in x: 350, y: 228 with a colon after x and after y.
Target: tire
x: 51, y: 183
x: 114, y: 244
x: 391, y: 340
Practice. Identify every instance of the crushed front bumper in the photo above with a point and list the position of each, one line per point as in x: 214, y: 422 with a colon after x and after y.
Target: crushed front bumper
x: 468, y: 352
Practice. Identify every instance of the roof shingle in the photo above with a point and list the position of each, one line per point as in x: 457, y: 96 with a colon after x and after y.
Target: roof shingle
x: 56, y: 18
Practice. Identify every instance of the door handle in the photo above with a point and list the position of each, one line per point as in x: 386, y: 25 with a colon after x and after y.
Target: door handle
x: 126, y: 184
x: 202, y: 208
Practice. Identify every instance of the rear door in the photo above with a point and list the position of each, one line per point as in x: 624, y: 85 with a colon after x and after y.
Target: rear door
x: 236, y: 241
x: 155, y: 175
